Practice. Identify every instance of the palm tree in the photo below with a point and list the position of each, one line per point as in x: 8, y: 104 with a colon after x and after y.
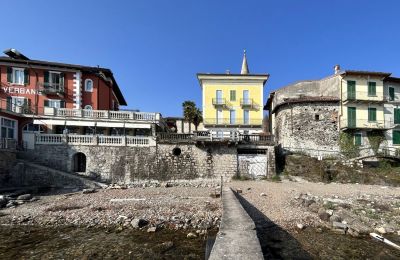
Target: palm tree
x: 192, y: 114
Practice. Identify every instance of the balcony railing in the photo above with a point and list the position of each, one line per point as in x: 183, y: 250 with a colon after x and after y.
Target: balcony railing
x: 364, y: 124
x: 58, y: 139
x: 8, y: 144
x: 232, y: 121
x: 51, y: 88
x: 363, y: 96
x: 216, y: 137
x: 219, y: 101
x: 248, y: 103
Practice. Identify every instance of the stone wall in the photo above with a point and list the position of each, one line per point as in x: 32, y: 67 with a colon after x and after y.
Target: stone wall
x: 7, y: 161
x: 163, y: 162
x: 313, y: 127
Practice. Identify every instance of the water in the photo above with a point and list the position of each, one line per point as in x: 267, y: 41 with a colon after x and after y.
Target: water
x: 29, y: 242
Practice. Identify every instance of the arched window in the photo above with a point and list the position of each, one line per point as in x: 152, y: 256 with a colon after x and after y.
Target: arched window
x: 33, y: 128
x: 89, y: 85
x: 88, y: 107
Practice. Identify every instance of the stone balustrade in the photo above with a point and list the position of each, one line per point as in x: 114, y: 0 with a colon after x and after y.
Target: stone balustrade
x: 56, y: 139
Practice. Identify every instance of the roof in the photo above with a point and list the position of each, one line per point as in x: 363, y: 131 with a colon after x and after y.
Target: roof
x: 306, y: 99
x: 88, y: 69
x: 364, y: 72
x: 222, y: 76
x: 393, y: 79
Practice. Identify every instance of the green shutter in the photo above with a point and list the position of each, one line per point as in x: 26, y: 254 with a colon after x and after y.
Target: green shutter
x: 396, y: 137
x: 26, y: 76
x: 46, y: 103
x: 371, y: 114
x: 371, y: 88
x: 397, y: 115
x: 357, y: 139
x: 9, y: 103
x: 391, y: 94
x: 351, y: 117
x: 46, y: 77
x: 351, y: 89
x: 9, y: 74
x: 233, y: 95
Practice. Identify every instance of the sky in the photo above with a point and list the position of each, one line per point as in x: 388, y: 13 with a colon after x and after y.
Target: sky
x: 155, y: 48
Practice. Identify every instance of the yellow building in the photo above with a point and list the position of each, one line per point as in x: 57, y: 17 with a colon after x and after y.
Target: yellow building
x: 233, y: 103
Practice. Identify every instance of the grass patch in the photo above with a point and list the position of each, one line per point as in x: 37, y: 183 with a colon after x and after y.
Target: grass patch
x: 240, y: 178
x: 329, y: 205
x: 276, y: 178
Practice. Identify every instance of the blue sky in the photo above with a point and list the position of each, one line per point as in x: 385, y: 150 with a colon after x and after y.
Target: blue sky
x: 155, y: 48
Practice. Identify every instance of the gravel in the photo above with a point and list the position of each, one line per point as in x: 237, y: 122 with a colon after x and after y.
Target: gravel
x: 281, y: 203
x: 161, y: 207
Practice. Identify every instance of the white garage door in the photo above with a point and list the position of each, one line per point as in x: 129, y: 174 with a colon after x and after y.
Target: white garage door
x: 252, y: 165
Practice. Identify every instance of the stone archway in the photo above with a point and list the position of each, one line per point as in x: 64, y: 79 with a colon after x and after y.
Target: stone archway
x: 79, y: 162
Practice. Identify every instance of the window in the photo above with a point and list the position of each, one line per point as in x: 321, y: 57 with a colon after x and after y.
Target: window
x: 371, y: 114
x: 351, y: 89
x: 397, y: 115
x: 233, y: 95
x: 17, y: 104
x: 54, y: 80
x: 316, y: 117
x: 8, y: 128
x: 358, y: 139
x: 232, y: 117
x: 33, y: 128
x: 54, y: 103
x: 246, y: 117
x: 218, y: 95
x: 219, y: 116
x: 396, y: 137
x: 391, y: 94
x: 371, y: 88
x: 89, y: 85
x: 88, y: 107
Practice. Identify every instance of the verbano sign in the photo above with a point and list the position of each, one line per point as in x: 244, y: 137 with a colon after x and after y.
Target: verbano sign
x: 20, y: 90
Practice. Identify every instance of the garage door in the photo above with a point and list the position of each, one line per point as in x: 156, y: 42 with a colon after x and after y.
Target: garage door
x: 252, y: 163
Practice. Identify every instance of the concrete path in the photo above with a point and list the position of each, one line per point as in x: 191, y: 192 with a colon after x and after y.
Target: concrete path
x: 237, y: 237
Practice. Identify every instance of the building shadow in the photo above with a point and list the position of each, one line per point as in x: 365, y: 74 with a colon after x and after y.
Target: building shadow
x: 276, y: 243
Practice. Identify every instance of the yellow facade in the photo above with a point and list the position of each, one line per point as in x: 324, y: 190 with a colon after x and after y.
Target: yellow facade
x: 228, y: 102
x: 366, y: 105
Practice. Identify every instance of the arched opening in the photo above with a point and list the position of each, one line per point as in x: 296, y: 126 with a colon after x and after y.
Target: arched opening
x: 176, y: 151
x: 79, y: 162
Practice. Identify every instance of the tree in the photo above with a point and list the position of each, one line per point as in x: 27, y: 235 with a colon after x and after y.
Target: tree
x: 192, y: 114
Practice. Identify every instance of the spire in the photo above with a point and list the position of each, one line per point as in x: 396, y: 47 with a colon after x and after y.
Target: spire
x: 245, y: 67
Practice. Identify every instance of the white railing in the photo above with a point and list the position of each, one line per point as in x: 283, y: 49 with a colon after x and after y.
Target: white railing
x: 8, y: 143
x: 56, y: 139
x: 105, y: 114
x: 49, y: 139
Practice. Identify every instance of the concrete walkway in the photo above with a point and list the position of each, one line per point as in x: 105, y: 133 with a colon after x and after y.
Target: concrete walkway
x: 237, y: 237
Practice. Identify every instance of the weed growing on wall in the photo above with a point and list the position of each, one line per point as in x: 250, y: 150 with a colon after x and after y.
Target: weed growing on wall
x: 375, y: 139
x: 347, y: 146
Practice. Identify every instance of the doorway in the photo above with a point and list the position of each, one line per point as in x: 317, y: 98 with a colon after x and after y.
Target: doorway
x: 79, y: 162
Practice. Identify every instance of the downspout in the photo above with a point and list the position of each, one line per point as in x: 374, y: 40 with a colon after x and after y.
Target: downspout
x: 98, y: 88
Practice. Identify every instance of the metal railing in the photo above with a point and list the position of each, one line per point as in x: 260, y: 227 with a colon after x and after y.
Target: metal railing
x: 232, y: 121
x: 363, y: 96
x: 248, y: 102
x: 101, y: 140
x: 8, y: 143
x: 364, y: 123
x: 47, y: 87
x: 219, y: 101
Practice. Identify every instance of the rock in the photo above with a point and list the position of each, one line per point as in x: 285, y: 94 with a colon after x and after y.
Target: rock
x: 249, y: 188
x: 11, y: 204
x: 164, y: 247
x: 335, y: 218
x: 34, y: 199
x: 168, y: 185
x: 330, y: 212
x: 87, y: 191
x: 239, y: 190
x: 339, y: 225
x: 308, y: 202
x: 381, y: 230
x: 314, y: 207
x: 3, y: 201
x: 389, y: 229
x: 263, y: 194
x: 300, y: 226
x: 152, y: 229
x: 24, y: 197
x: 139, y: 223
x: 323, y: 215
x: 398, y: 232
x: 191, y: 235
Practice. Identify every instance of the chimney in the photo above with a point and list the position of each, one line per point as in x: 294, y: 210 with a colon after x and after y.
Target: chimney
x: 337, y: 69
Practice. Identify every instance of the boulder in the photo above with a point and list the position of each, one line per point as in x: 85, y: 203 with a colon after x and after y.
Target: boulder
x: 3, y: 201
x: 87, y: 191
x: 339, y: 225
x: 139, y: 223
x: 300, y: 226
x: 314, y: 207
x: 323, y: 215
x: 381, y: 230
x: 152, y: 230
x: 24, y: 197
x: 335, y: 218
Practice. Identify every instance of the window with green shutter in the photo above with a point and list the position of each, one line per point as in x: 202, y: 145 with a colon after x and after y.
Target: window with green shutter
x: 371, y: 88
x: 391, y: 94
x: 371, y: 114
x: 358, y: 139
x: 396, y: 137
x: 397, y: 115
x: 233, y: 95
x: 351, y: 89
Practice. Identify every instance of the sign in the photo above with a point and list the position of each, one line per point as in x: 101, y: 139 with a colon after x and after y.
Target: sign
x: 20, y: 90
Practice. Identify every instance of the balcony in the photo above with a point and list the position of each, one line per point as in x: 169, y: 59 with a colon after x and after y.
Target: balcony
x: 219, y: 102
x: 229, y: 122
x: 363, y: 96
x: 364, y: 124
x: 48, y: 88
x: 248, y: 103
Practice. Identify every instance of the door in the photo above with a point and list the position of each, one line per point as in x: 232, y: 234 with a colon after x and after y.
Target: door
x: 219, y: 116
x: 246, y: 117
x: 246, y: 98
x: 351, y: 90
x: 219, y: 97
x: 232, y: 117
x: 351, y: 117
x: 252, y: 164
